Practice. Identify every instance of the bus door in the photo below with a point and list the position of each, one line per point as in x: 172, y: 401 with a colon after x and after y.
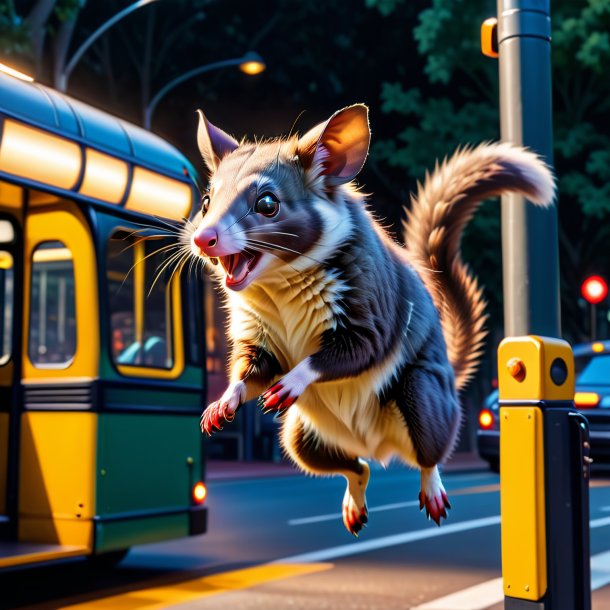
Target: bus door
x: 11, y: 198
x: 60, y: 362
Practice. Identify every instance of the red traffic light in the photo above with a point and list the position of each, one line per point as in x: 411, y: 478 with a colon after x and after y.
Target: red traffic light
x: 594, y: 289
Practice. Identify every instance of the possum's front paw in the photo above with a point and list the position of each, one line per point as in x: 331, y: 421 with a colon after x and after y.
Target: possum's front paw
x: 285, y: 392
x: 277, y: 398
x: 222, y: 411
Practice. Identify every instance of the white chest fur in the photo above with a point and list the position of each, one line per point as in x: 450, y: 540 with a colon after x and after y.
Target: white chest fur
x: 291, y: 313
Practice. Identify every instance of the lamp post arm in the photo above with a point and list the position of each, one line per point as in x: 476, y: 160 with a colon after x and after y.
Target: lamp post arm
x: 152, y: 105
x: 65, y: 75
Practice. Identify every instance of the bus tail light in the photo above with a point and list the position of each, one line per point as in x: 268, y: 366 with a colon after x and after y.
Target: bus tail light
x: 200, y: 493
x: 486, y: 419
x: 586, y: 400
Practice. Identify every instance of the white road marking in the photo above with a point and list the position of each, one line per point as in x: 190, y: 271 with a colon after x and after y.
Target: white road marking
x: 333, y: 516
x: 599, y: 522
x: 490, y: 592
x: 478, y: 597
x: 600, y: 570
x: 356, y: 548
x: 382, y: 507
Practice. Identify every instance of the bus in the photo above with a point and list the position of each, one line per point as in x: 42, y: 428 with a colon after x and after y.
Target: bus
x: 102, y: 375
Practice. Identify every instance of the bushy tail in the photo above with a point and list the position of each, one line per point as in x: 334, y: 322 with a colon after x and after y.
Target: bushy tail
x: 433, y: 232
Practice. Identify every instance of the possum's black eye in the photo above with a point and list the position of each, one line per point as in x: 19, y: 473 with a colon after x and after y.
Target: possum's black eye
x: 205, y: 204
x: 268, y: 205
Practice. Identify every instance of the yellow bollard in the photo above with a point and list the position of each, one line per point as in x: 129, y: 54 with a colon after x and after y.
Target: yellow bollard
x: 543, y: 477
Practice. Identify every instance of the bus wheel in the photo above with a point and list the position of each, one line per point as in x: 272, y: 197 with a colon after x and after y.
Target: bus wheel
x: 494, y: 464
x: 107, y: 561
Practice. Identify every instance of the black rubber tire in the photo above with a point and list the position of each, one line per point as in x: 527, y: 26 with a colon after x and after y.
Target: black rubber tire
x: 494, y: 465
x: 107, y: 561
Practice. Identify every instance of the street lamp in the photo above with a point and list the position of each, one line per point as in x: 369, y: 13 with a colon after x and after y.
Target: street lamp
x: 251, y: 63
x: 62, y: 83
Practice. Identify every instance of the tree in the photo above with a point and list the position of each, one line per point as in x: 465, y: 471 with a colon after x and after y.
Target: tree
x: 24, y: 29
x: 459, y: 104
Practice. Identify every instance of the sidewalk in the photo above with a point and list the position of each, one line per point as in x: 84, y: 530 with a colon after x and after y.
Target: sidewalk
x: 225, y: 470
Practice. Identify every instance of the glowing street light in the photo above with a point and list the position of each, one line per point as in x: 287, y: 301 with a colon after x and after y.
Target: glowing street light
x: 250, y: 63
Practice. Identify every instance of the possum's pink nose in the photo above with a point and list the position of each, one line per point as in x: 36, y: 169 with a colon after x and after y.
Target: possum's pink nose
x: 206, y: 240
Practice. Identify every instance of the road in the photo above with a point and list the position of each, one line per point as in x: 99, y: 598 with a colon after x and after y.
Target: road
x: 278, y: 543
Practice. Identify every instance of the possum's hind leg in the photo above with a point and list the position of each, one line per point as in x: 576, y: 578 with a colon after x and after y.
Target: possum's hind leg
x: 429, y: 405
x: 315, y: 457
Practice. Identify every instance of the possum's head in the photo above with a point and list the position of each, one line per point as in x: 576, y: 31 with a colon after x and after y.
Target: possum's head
x: 275, y: 203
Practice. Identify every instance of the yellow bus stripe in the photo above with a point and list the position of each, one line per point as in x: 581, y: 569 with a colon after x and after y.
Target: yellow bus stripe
x: 154, y: 598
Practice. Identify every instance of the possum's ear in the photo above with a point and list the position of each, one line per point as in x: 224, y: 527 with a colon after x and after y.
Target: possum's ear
x: 214, y: 143
x: 338, y: 147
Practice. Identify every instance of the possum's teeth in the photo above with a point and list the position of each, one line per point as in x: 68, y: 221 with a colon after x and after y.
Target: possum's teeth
x: 239, y: 269
x: 228, y: 262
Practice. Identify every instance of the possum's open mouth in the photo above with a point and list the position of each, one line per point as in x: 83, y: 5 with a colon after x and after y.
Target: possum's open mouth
x: 238, y: 266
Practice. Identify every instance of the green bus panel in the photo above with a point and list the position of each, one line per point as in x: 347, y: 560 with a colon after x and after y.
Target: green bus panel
x: 117, y: 535
x: 146, y: 463
x: 126, y: 397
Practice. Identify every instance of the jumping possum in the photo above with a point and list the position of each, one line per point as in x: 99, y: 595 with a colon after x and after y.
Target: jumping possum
x: 360, y: 343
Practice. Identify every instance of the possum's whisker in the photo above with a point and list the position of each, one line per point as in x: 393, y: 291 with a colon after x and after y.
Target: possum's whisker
x: 177, y: 256
x: 266, y: 244
x: 143, y: 240
x: 142, y: 260
x: 262, y: 250
x: 193, y: 261
x: 170, y: 226
x: 238, y: 220
x: 261, y: 230
x: 178, y: 267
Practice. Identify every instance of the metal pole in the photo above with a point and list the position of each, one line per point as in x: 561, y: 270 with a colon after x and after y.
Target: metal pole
x: 529, y: 235
x: 62, y: 85
x: 152, y: 105
x: 550, y: 486
x: 593, y: 321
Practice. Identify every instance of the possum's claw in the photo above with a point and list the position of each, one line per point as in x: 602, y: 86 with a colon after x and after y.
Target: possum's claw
x: 433, y: 496
x: 355, y: 512
x: 214, y: 417
x: 287, y: 390
x: 223, y: 411
x: 436, y: 506
x: 355, y: 521
x: 277, y: 398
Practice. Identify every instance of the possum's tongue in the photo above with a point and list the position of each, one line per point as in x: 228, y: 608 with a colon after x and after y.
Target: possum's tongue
x: 238, y: 266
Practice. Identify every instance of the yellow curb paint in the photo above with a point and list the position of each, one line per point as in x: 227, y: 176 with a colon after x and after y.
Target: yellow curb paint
x: 164, y: 596
x: 481, y: 489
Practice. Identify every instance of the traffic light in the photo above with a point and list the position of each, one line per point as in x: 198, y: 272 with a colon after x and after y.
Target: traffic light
x: 594, y: 289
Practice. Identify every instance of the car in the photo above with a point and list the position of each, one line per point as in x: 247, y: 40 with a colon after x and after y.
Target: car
x: 592, y: 398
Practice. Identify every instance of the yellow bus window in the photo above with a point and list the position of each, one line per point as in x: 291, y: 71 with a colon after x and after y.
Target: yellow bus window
x: 6, y: 304
x: 140, y: 302
x: 52, y: 331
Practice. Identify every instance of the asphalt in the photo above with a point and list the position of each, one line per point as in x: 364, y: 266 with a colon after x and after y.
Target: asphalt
x: 276, y: 542
x: 223, y: 470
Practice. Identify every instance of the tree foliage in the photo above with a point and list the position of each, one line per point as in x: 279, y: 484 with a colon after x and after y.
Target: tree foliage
x: 459, y: 105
